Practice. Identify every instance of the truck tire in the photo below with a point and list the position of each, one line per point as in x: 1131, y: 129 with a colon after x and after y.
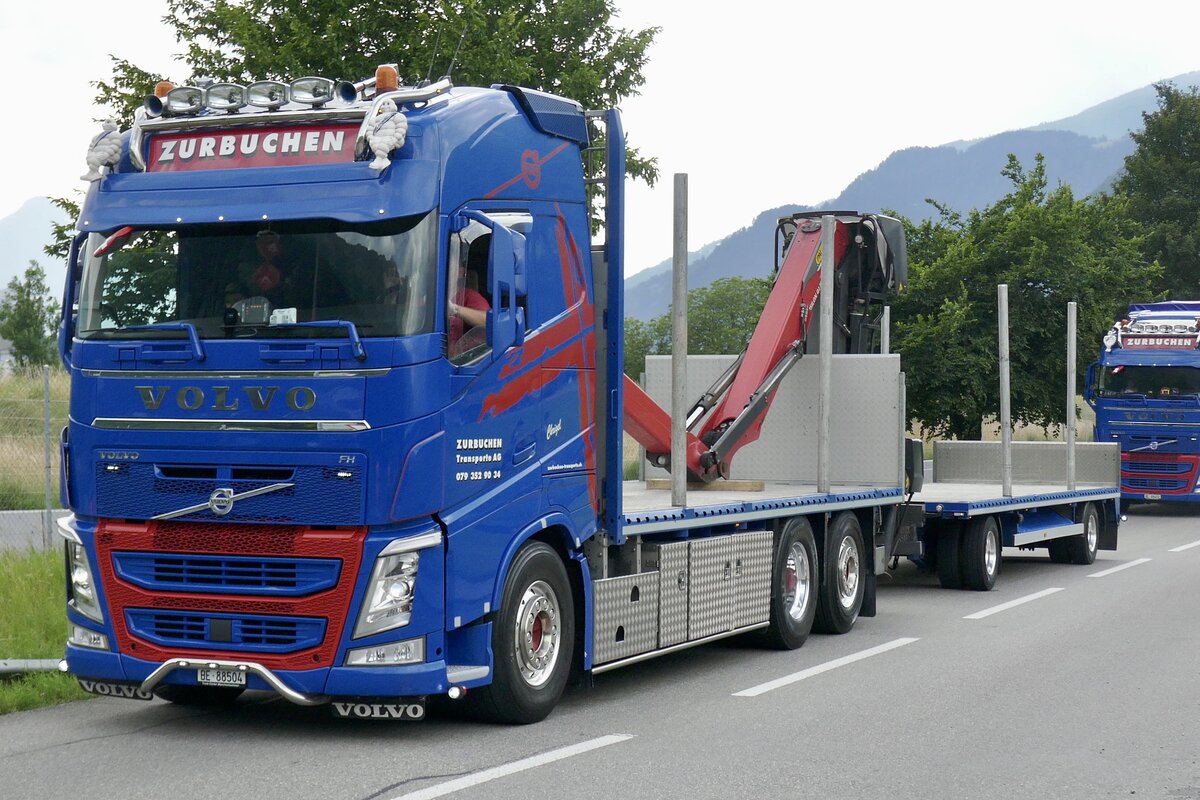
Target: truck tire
x: 980, y: 552
x: 949, y: 562
x: 212, y: 696
x: 533, y: 639
x: 843, y: 575
x: 1082, y: 548
x: 794, y: 582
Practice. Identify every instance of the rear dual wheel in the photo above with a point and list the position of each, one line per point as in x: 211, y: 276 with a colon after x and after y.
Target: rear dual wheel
x: 843, y: 575
x: 968, y: 557
x: 1081, y: 548
x: 794, y: 582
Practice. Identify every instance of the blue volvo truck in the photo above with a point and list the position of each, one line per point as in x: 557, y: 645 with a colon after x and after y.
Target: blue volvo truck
x: 347, y: 416
x: 1145, y: 390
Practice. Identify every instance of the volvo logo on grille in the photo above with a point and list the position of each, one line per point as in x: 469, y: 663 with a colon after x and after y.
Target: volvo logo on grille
x: 221, y: 501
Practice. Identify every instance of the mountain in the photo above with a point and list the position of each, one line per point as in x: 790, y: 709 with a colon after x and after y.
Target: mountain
x: 22, y: 236
x: 1085, y: 151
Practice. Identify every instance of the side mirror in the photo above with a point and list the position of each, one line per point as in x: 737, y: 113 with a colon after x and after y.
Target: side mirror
x: 66, y: 327
x: 1089, y: 386
x: 506, y: 320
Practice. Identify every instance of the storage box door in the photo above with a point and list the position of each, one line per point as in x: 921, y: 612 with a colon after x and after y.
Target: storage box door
x: 752, y: 578
x: 710, y: 566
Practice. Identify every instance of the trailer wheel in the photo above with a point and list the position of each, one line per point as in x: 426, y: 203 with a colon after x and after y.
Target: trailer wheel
x: 212, y: 696
x: 1082, y: 548
x: 843, y: 575
x: 794, y: 582
x: 949, y: 564
x: 981, y: 554
x: 533, y: 639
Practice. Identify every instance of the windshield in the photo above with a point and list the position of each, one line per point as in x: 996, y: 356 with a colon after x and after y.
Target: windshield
x: 1151, y: 382
x: 260, y: 280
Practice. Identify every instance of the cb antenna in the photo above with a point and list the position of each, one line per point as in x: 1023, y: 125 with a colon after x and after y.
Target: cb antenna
x: 461, y: 39
x: 437, y: 43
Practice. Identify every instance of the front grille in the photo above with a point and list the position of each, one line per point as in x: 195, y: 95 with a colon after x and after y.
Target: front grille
x: 1155, y: 485
x: 318, y: 495
x: 252, y: 633
x: 1157, y: 467
x: 279, y: 577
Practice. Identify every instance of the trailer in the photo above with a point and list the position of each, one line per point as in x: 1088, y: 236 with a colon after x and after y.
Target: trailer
x: 347, y: 412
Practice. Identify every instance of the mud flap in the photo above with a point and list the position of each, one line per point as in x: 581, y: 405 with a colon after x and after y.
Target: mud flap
x: 1107, y: 540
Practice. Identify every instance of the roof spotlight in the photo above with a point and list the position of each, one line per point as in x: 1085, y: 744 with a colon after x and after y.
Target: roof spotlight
x: 312, y: 90
x: 267, y: 94
x: 184, y: 100
x: 225, y: 97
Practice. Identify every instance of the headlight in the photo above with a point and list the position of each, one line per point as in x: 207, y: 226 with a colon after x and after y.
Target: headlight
x: 410, y: 651
x: 388, y: 602
x: 83, y: 597
x: 389, y: 594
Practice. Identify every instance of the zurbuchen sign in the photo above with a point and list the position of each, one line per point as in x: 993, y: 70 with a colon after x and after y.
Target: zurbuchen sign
x: 252, y: 147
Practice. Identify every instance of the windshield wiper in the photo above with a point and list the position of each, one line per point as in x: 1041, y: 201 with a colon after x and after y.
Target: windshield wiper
x: 356, y: 345
x: 186, y: 327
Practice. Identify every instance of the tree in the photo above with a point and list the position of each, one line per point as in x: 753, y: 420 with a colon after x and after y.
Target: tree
x: 566, y: 47
x: 28, y: 318
x: 1049, y: 248
x: 1162, y: 183
x: 721, y: 318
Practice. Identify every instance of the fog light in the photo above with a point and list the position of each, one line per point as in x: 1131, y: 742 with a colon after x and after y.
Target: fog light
x: 225, y: 97
x: 82, y: 637
x: 184, y: 100
x: 312, y: 91
x: 267, y: 94
x: 410, y: 651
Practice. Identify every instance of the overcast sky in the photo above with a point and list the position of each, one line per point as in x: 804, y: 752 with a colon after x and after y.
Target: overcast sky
x: 780, y: 102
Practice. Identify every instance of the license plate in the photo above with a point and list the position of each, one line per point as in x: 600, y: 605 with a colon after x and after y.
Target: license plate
x: 221, y: 677
x: 1152, y: 496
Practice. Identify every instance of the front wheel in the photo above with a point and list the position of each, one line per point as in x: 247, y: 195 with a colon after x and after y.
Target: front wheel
x: 533, y: 639
x: 794, y: 582
x: 844, y: 575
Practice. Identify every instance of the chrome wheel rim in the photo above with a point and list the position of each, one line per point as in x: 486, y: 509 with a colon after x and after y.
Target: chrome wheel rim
x: 797, y: 588
x: 538, y: 633
x: 991, y: 553
x: 1091, y: 531
x: 847, y: 562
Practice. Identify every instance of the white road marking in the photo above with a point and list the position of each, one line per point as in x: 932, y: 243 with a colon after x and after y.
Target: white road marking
x: 762, y: 688
x: 483, y: 776
x: 1133, y: 563
x: 987, y: 612
x: 1183, y: 547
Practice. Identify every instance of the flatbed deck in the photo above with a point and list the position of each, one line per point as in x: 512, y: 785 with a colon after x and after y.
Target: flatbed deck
x: 650, y: 510
x: 967, y: 499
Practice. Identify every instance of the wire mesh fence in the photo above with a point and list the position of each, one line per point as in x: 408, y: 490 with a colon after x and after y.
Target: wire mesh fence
x: 33, y: 410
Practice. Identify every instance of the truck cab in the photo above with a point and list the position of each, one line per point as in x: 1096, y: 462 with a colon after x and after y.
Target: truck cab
x: 1145, y: 390
x: 315, y: 400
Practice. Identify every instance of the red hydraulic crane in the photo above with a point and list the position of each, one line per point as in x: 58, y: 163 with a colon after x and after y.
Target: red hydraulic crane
x: 869, y: 258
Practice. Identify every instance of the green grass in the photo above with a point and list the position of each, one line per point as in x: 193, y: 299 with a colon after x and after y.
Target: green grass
x: 22, y: 437
x: 33, y: 625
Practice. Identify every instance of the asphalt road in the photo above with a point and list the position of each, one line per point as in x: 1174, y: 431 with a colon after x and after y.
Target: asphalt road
x: 1087, y: 691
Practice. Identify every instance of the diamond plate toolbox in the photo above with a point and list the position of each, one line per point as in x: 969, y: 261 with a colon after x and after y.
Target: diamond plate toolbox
x: 626, y: 616
x: 673, y: 593
x: 752, y: 578
x: 710, y: 567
